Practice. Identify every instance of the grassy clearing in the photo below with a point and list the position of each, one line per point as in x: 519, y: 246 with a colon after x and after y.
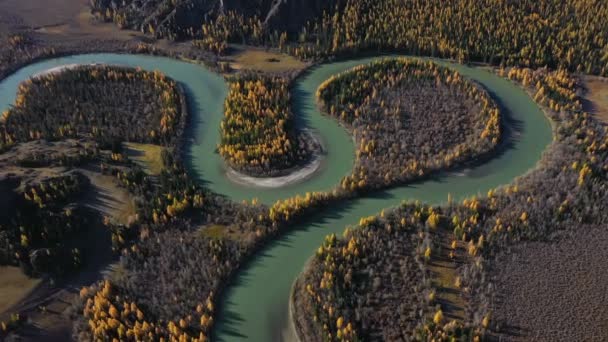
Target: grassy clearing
x: 108, y: 198
x: 218, y: 231
x: 113, y: 200
x: 597, y: 94
x: 262, y: 60
x: 214, y: 231
x: 128, y: 210
x: 147, y: 156
x: 14, y: 286
x: 444, y: 275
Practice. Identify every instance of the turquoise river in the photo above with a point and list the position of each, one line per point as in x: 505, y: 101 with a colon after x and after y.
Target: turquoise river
x: 255, y: 305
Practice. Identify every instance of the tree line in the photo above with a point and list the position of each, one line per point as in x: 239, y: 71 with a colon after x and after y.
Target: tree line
x: 554, y: 33
x: 374, y: 283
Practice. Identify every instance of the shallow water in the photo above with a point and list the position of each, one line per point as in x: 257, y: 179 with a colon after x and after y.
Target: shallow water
x: 255, y: 305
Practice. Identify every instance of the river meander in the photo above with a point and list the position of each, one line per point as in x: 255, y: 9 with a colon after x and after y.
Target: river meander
x: 255, y: 306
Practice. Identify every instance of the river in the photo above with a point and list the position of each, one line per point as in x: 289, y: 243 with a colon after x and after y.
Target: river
x: 255, y: 305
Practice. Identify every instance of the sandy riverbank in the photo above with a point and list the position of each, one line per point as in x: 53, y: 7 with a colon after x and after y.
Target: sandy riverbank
x: 298, y: 175
x: 295, y: 177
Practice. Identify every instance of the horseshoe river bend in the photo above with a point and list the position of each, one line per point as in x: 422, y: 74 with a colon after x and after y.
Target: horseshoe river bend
x: 254, y: 307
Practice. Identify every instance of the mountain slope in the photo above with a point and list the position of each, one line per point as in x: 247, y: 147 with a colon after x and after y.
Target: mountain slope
x: 183, y: 18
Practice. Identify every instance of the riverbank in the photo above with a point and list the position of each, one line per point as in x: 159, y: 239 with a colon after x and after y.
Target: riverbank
x: 292, y: 176
x: 264, y: 285
x: 299, y: 175
x: 280, y: 262
x: 531, y: 195
x: 301, y: 327
x: 62, y: 68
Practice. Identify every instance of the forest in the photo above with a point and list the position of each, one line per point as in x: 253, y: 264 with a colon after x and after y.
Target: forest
x: 258, y: 133
x: 378, y: 281
x: 147, y: 297
x: 559, y: 34
x: 480, y: 227
x: 177, y: 20
x: 17, y: 48
x: 67, y: 120
x: 144, y: 306
x: 565, y: 191
x: 171, y: 208
x: 374, y: 283
x: 51, y: 213
x: 232, y: 27
x: 106, y: 103
x: 164, y: 234
x: 36, y: 237
x: 364, y: 100
x: 393, y: 106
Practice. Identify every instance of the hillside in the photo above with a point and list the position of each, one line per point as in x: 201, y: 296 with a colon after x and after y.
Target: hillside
x: 182, y: 18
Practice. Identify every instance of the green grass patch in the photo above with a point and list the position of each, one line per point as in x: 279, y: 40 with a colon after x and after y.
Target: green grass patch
x: 218, y: 231
x: 147, y: 156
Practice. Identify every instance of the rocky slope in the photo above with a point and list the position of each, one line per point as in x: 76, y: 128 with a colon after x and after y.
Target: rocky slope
x: 180, y: 18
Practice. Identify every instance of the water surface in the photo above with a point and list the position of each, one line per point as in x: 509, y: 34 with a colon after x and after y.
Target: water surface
x: 254, y: 307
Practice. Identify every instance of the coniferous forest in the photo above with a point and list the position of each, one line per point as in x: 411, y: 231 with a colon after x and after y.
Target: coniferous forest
x: 554, y: 33
x: 558, y: 34
x: 84, y: 111
x: 393, y: 106
x: 103, y: 102
x: 100, y: 189
x: 258, y: 131
x: 566, y: 192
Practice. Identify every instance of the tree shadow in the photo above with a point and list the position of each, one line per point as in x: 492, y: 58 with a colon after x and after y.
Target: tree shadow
x: 194, y: 122
x: 301, y: 104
